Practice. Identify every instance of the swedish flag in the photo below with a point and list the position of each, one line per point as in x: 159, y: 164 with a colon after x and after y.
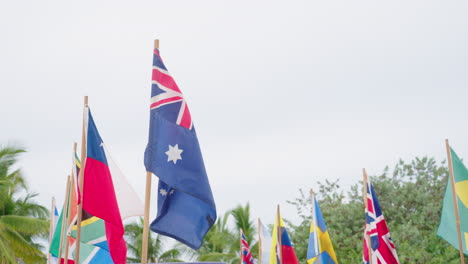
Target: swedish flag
x: 320, y: 249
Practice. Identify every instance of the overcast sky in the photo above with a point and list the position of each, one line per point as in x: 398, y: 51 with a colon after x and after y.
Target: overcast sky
x: 282, y: 93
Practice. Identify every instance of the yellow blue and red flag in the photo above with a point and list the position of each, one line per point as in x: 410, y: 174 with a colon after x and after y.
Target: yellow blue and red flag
x: 281, y: 250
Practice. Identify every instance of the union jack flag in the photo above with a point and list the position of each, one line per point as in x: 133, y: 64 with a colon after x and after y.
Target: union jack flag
x: 383, y: 249
x: 365, y: 250
x: 245, y: 250
x: 165, y: 91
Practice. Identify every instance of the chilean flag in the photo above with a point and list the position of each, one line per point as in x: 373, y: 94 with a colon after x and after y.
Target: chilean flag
x: 99, y: 197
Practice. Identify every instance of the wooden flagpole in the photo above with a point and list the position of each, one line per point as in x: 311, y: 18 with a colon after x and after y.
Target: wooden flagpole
x: 279, y: 235
x: 65, y: 208
x: 240, y: 244
x: 72, y: 180
x: 51, y: 226
x: 312, y: 199
x: 259, y: 242
x: 455, y: 202
x: 144, y: 247
x: 80, y: 180
x: 369, y: 248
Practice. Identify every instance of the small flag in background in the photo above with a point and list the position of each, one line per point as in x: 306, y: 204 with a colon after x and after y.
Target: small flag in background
x: 281, y: 252
x: 264, y: 238
x: 246, y: 254
x: 54, y: 220
x: 186, y: 208
x: 320, y: 249
x: 383, y: 249
x: 447, y: 228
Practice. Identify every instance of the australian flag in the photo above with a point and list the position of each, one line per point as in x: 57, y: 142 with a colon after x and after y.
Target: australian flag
x: 383, y: 250
x: 186, y: 208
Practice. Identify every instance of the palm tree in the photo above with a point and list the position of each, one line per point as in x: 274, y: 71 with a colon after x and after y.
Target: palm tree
x: 220, y: 244
x: 134, y: 234
x: 242, y: 221
x: 21, y: 219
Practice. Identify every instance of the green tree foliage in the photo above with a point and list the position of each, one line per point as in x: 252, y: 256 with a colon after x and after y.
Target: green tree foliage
x: 222, y: 243
x: 22, y: 221
x: 410, y: 197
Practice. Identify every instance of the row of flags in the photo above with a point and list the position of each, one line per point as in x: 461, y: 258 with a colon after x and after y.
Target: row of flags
x: 98, y: 197
x: 378, y: 247
x: 103, y: 211
x: 276, y: 248
x: 90, y: 226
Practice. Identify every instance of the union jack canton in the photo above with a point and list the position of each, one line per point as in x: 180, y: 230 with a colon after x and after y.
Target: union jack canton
x: 383, y: 249
x: 245, y: 250
x: 186, y: 208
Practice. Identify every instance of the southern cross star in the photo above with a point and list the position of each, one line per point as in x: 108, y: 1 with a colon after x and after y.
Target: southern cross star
x: 173, y: 154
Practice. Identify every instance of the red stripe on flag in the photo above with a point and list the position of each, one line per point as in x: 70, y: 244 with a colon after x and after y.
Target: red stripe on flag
x: 165, y: 80
x: 99, y: 200
x: 62, y: 261
x: 288, y: 255
x: 186, y: 120
x: 164, y: 101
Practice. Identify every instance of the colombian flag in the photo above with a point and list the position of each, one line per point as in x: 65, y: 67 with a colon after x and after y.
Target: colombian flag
x: 282, y: 250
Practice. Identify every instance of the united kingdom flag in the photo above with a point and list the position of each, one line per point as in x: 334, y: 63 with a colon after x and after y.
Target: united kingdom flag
x: 383, y: 249
x: 186, y: 208
x: 245, y: 250
x: 165, y: 92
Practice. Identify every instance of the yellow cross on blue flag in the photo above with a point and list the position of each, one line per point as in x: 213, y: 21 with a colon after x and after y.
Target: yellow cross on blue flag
x: 320, y: 249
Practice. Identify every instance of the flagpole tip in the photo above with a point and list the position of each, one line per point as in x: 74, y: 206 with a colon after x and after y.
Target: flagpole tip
x: 85, y: 100
x: 156, y: 43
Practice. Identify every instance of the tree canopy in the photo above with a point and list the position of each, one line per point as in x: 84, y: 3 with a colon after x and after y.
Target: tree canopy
x: 22, y: 220
x: 410, y: 197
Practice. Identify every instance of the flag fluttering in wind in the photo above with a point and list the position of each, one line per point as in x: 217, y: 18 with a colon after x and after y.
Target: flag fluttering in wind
x: 98, y: 192
x: 448, y: 228
x: 320, y: 249
x: 93, y: 244
x: 281, y: 250
x: 61, y: 234
x: 383, y: 249
x: 264, y: 238
x: 55, y: 242
x: 246, y: 254
x: 186, y: 208
x: 53, y: 226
